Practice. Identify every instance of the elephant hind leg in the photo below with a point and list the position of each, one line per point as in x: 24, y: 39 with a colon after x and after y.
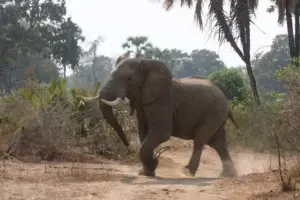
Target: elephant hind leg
x: 219, y: 143
x: 194, y: 161
x: 201, y: 137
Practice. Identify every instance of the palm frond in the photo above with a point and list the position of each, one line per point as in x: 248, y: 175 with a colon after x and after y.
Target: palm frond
x: 222, y: 25
x: 253, y: 4
x: 189, y: 3
x: 168, y: 4
x: 216, y: 17
x: 240, y: 16
x: 199, y: 12
x: 281, y: 11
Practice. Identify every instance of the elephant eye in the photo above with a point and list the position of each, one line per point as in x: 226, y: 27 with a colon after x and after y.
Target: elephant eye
x: 129, y: 78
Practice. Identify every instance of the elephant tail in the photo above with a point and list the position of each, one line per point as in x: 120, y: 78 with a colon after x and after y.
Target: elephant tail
x: 232, y: 119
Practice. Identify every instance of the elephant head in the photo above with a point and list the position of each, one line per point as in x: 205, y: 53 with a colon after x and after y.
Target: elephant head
x: 141, y: 81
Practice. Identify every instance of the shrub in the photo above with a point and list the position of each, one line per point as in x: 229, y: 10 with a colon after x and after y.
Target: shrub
x: 253, y: 132
x: 44, y: 122
x: 231, y: 82
x: 274, y: 126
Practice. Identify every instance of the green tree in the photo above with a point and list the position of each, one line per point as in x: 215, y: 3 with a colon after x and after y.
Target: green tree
x: 29, y: 27
x: 173, y: 58
x: 187, y: 69
x: 65, y: 49
x: 45, y: 69
x: 137, y: 45
x: 231, y: 82
x: 200, y: 62
x: 268, y: 63
x: 207, y: 61
x: 231, y: 27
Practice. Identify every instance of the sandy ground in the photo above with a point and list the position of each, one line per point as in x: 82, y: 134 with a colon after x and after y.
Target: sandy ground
x: 112, y: 180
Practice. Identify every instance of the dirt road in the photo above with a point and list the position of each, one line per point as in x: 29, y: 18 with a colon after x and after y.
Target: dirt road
x: 114, y: 181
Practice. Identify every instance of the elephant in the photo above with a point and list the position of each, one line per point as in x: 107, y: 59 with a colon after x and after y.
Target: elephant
x: 189, y: 108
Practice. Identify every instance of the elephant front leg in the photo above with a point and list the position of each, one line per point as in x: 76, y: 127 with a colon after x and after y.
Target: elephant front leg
x: 159, y: 131
x: 152, y: 140
x: 142, y: 126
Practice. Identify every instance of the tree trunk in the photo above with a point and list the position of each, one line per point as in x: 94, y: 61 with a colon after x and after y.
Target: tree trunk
x: 8, y: 81
x: 245, y: 16
x: 290, y: 31
x: 245, y: 39
x: 138, y: 53
x: 65, y: 71
x: 252, y: 83
x: 297, y: 30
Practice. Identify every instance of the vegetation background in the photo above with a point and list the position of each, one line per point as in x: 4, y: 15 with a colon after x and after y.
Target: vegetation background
x: 41, y: 118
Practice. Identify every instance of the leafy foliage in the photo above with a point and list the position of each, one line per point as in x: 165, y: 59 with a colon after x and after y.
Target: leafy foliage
x: 231, y: 83
x: 206, y: 61
x: 26, y: 31
x: 266, y: 65
x: 44, y: 121
x: 201, y: 62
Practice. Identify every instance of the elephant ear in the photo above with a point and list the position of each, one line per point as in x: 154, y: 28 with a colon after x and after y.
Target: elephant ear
x: 120, y: 58
x: 157, y: 80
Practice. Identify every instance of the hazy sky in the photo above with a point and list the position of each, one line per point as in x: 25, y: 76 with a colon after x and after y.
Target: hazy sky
x: 115, y: 20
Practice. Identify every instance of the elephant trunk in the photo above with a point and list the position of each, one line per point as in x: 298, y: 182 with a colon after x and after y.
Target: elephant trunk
x: 111, y: 96
x: 108, y: 115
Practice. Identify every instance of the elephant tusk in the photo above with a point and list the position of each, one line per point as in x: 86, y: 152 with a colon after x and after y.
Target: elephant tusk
x: 112, y: 103
x: 88, y: 99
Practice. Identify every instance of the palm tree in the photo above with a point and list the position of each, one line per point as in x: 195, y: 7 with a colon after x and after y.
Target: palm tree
x: 137, y: 45
x: 230, y: 27
x: 285, y: 8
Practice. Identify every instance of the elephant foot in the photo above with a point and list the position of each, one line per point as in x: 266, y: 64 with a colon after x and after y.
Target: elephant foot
x: 145, y: 172
x: 188, y: 172
x: 228, y: 173
x: 149, y: 170
x: 130, y: 150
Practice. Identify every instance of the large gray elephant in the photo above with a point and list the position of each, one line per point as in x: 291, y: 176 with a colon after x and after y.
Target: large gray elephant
x: 190, y: 108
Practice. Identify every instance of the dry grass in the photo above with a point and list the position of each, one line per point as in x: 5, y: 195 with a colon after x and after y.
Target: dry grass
x: 38, y: 125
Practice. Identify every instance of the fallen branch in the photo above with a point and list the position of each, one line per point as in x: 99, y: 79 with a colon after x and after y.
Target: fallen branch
x: 162, y: 150
x: 7, y: 156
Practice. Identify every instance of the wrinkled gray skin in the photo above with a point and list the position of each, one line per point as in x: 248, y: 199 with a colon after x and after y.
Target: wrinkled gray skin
x: 190, y: 108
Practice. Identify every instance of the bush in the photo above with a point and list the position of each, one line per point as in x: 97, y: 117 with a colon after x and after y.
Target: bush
x: 253, y: 132
x: 231, y: 82
x: 45, y: 122
x: 273, y: 126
